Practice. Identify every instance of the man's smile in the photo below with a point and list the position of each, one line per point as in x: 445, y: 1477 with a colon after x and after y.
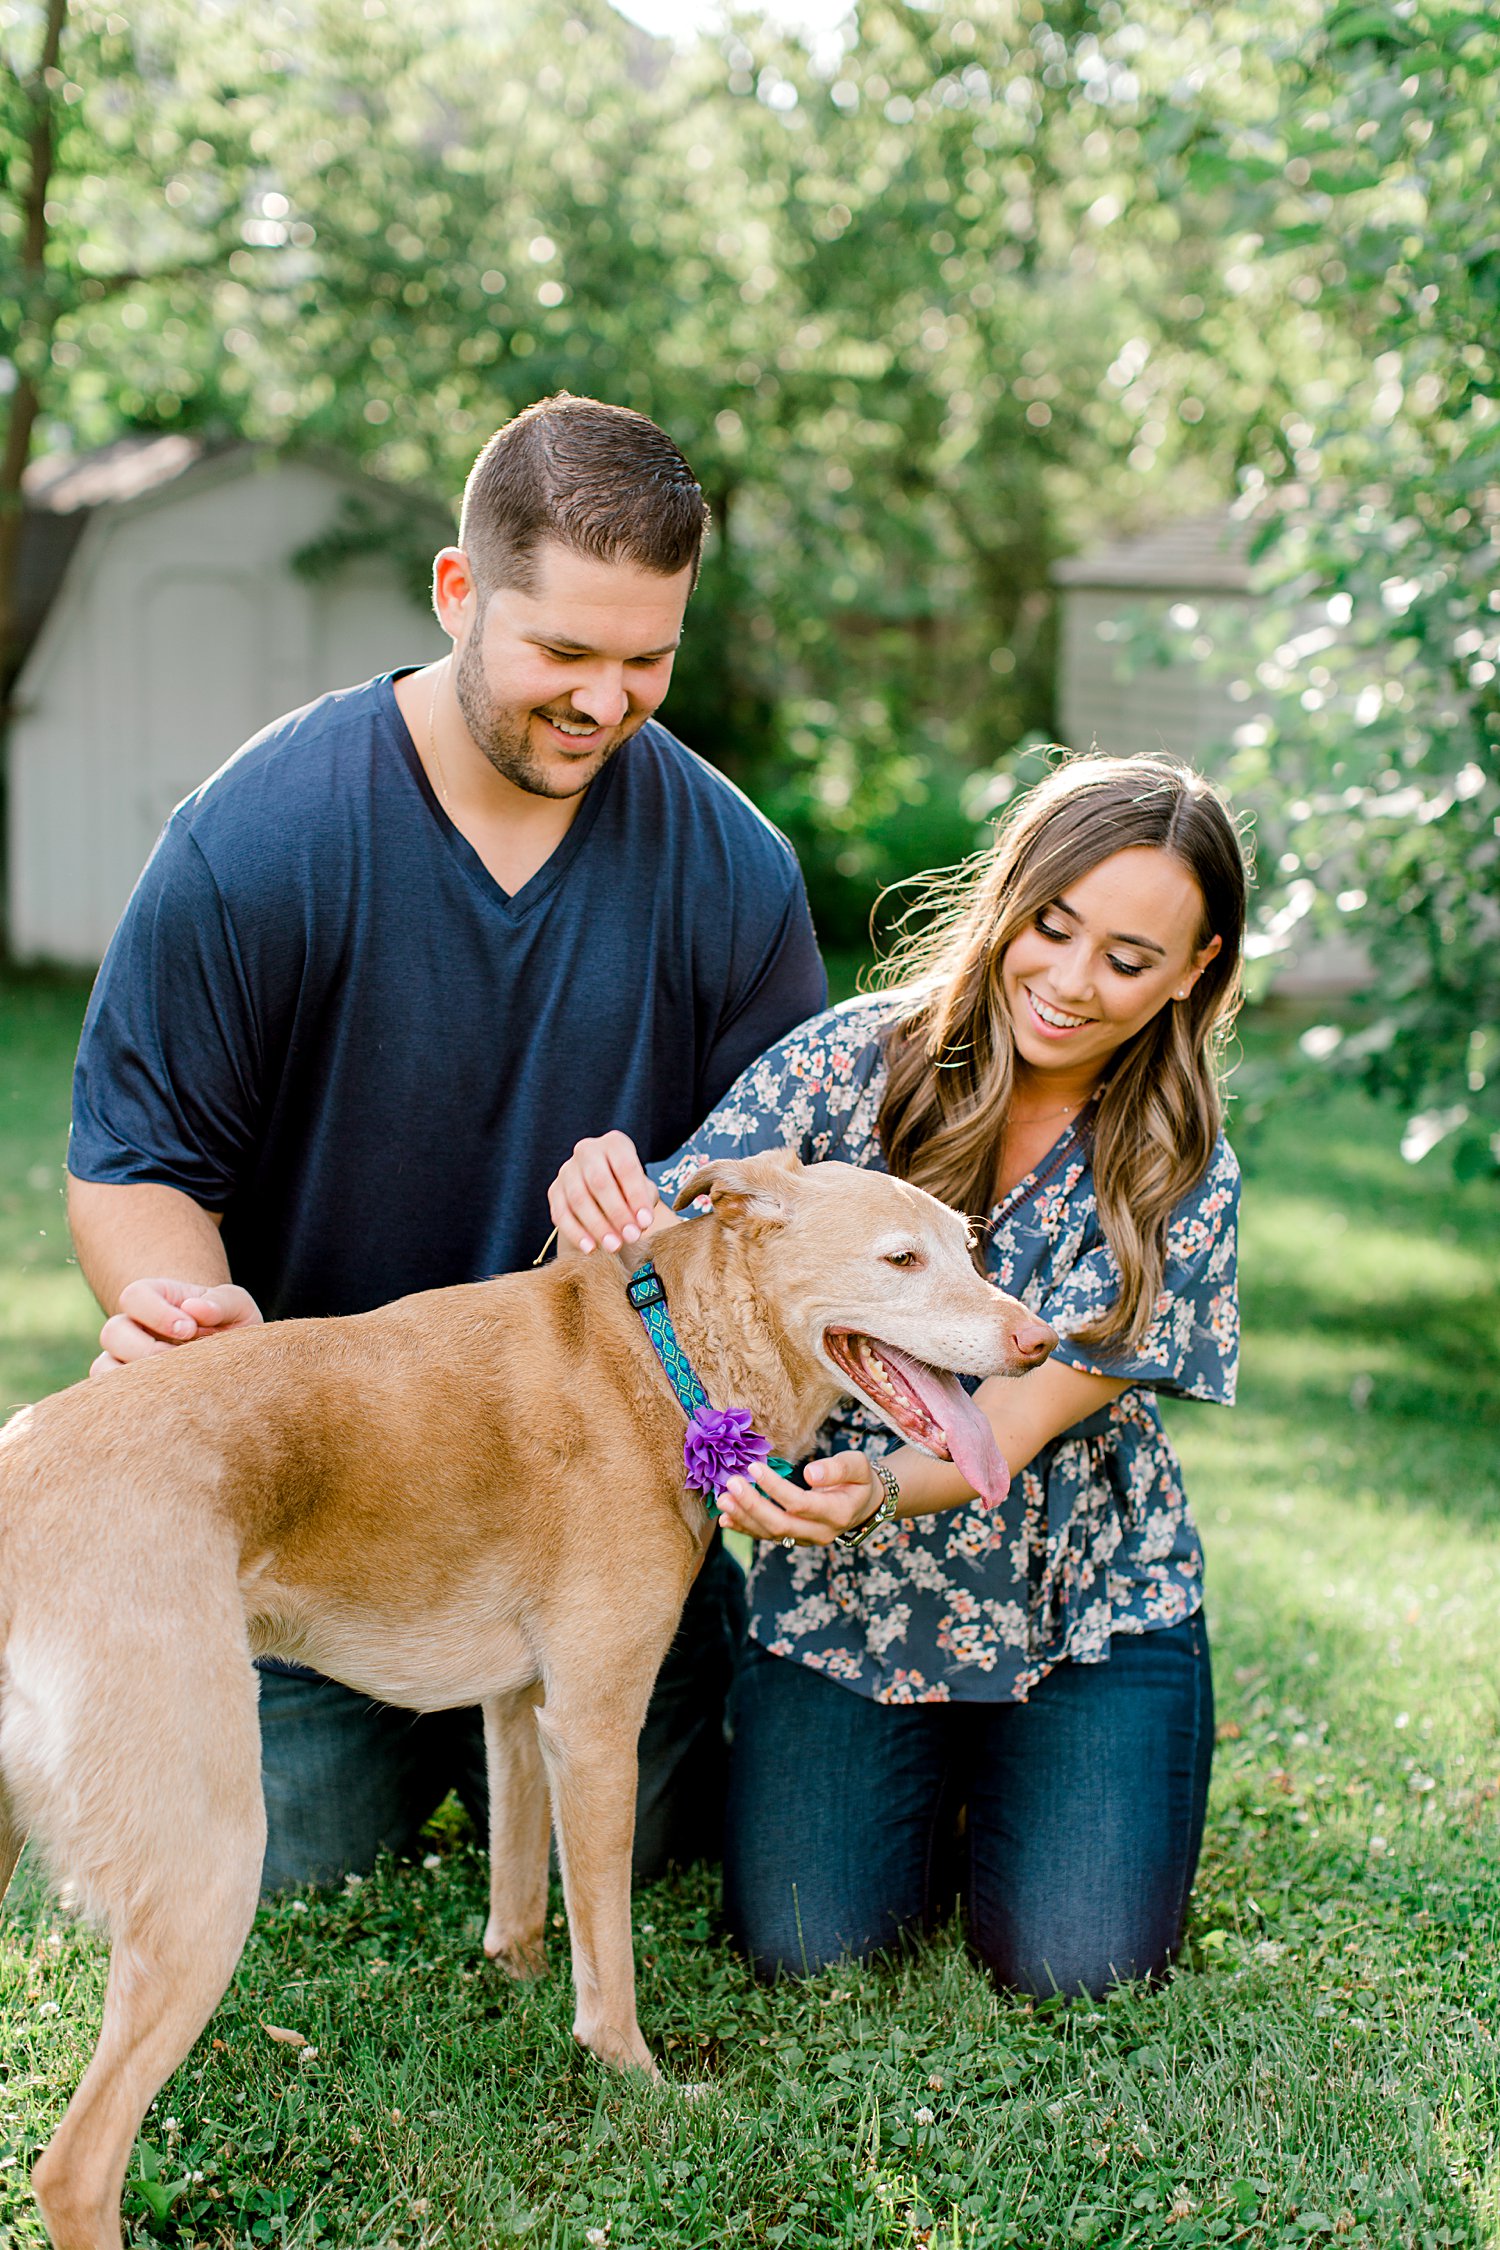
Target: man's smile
x: 576, y: 733
x: 571, y: 726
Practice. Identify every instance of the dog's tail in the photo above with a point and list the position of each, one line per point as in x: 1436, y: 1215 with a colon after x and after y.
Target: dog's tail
x: 128, y: 1731
x: 12, y: 1822
x: 129, y: 1747
x: 129, y: 1744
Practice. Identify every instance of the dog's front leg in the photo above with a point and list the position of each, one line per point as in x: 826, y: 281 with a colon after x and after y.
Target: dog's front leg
x: 592, y: 1767
x: 515, y: 1936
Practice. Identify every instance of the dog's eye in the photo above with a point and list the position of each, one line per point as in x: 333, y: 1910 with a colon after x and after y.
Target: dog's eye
x: 902, y: 1258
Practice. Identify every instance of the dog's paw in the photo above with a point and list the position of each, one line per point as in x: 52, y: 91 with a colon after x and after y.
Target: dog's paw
x: 620, y: 2049
x: 518, y: 1957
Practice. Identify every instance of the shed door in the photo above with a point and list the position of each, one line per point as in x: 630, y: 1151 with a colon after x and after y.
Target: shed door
x: 203, y: 647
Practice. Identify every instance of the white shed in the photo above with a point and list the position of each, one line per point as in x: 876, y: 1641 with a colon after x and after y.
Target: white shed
x: 178, y: 625
x: 1156, y: 651
x: 1119, y: 593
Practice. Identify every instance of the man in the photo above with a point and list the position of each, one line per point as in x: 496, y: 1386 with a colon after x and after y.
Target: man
x: 385, y: 968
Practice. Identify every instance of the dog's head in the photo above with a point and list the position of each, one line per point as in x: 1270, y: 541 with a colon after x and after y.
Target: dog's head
x: 873, y: 1280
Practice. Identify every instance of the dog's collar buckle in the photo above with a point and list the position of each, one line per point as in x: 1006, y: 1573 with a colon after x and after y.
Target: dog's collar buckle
x: 645, y: 1290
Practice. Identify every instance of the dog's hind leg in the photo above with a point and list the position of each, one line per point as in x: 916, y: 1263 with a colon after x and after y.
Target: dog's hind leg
x: 169, y: 1847
x: 519, y: 1819
x: 164, y: 1984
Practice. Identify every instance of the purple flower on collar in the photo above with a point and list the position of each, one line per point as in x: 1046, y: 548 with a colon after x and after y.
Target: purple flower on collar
x: 720, y: 1444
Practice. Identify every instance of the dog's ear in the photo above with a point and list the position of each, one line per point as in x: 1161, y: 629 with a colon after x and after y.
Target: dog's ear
x: 754, y: 1191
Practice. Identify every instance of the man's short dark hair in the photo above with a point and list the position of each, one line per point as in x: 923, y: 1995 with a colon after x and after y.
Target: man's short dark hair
x: 599, y: 479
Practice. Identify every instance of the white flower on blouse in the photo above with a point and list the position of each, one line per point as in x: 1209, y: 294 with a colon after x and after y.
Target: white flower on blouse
x: 888, y: 1626
x: 808, y: 1616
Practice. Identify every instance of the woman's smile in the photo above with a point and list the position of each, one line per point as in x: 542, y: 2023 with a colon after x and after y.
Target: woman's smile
x: 1050, y: 1016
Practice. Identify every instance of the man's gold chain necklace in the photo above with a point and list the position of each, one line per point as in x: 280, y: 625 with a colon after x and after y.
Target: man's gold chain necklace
x: 433, y: 755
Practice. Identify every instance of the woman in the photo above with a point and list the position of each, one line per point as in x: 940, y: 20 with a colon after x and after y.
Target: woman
x: 1046, y: 1054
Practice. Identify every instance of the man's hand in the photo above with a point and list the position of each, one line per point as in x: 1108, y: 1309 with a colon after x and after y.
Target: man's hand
x: 602, y: 1198
x: 156, y: 1315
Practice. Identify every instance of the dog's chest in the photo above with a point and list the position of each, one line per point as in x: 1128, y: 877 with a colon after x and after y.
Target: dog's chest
x: 456, y: 1652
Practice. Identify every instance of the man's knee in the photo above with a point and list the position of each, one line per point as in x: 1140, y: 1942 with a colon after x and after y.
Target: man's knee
x: 684, y: 1749
x: 344, y: 1779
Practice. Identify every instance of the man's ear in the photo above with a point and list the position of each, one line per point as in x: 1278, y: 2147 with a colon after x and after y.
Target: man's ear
x: 754, y: 1191
x: 454, y: 594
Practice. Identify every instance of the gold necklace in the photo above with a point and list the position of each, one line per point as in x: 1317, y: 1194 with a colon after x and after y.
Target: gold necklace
x: 432, y: 748
x: 1044, y: 1116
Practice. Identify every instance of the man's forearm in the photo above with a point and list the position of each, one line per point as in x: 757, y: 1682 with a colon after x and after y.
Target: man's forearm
x: 128, y: 1233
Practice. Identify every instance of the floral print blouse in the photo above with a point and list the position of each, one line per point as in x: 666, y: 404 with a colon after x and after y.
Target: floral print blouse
x: 1094, y: 1537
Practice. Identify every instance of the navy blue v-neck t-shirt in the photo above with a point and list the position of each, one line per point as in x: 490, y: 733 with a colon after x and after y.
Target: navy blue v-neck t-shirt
x: 322, y: 1017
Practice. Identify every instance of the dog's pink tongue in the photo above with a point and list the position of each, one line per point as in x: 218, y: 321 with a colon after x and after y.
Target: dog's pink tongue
x: 969, y: 1437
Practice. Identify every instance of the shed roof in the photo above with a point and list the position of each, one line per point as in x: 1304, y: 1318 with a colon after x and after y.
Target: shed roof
x: 62, y: 490
x: 61, y: 483
x: 59, y: 493
x: 1198, y: 554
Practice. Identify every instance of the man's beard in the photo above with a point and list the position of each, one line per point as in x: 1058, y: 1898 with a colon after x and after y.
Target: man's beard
x: 503, y: 733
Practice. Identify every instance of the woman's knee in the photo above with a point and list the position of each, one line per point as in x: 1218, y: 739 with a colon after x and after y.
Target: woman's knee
x: 831, y: 1807
x: 1075, y: 1964
x: 1085, y: 1825
x: 788, y: 1929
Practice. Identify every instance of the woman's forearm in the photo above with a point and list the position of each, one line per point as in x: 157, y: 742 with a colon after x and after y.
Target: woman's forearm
x: 842, y: 1491
x: 1025, y: 1412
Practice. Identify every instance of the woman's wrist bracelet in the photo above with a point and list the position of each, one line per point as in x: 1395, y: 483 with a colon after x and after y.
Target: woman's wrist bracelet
x: 890, y: 1498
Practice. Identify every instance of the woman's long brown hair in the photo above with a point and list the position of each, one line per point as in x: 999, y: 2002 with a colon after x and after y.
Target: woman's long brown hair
x: 951, y: 1053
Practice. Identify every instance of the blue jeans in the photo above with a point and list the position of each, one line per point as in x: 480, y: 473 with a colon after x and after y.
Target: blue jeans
x: 346, y: 1778
x: 1082, y: 1816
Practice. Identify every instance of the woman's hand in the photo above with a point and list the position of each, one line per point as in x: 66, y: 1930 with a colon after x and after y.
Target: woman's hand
x: 602, y: 1197
x: 842, y: 1493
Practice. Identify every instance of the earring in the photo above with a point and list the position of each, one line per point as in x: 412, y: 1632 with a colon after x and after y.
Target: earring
x: 1182, y: 995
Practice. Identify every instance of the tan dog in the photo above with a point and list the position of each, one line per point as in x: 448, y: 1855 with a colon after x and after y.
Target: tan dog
x: 472, y: 1496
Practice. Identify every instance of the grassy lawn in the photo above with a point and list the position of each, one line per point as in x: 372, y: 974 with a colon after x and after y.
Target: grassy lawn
x: 1325, y: 2064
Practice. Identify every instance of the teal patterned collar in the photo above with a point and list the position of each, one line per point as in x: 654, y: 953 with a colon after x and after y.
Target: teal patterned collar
x: 720, y: 1442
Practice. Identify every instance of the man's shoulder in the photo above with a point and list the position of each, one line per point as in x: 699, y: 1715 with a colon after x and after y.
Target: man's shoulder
x: 661, y: 764
x: 297, y: 751
x: 279, y: 818
x: 283, y: 797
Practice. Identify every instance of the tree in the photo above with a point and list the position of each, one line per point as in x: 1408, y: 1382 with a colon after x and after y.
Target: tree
x: 126, y: 181
x: 1367, y: 188
x: 924, y: 316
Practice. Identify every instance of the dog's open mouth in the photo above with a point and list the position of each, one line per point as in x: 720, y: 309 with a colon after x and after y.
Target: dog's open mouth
x: 927, y: 1406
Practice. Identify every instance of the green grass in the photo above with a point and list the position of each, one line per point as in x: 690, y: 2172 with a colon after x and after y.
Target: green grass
x: 48, y: 1320
x: 1324, y: 2066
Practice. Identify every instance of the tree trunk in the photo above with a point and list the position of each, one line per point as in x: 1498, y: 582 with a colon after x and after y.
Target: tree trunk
x: 38, y: 318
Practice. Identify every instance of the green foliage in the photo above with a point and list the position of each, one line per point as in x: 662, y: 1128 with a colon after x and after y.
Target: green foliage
x: 125, y: 168
x: 882, y: 303
x: 1369, y: 184
x: 925, y: 315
